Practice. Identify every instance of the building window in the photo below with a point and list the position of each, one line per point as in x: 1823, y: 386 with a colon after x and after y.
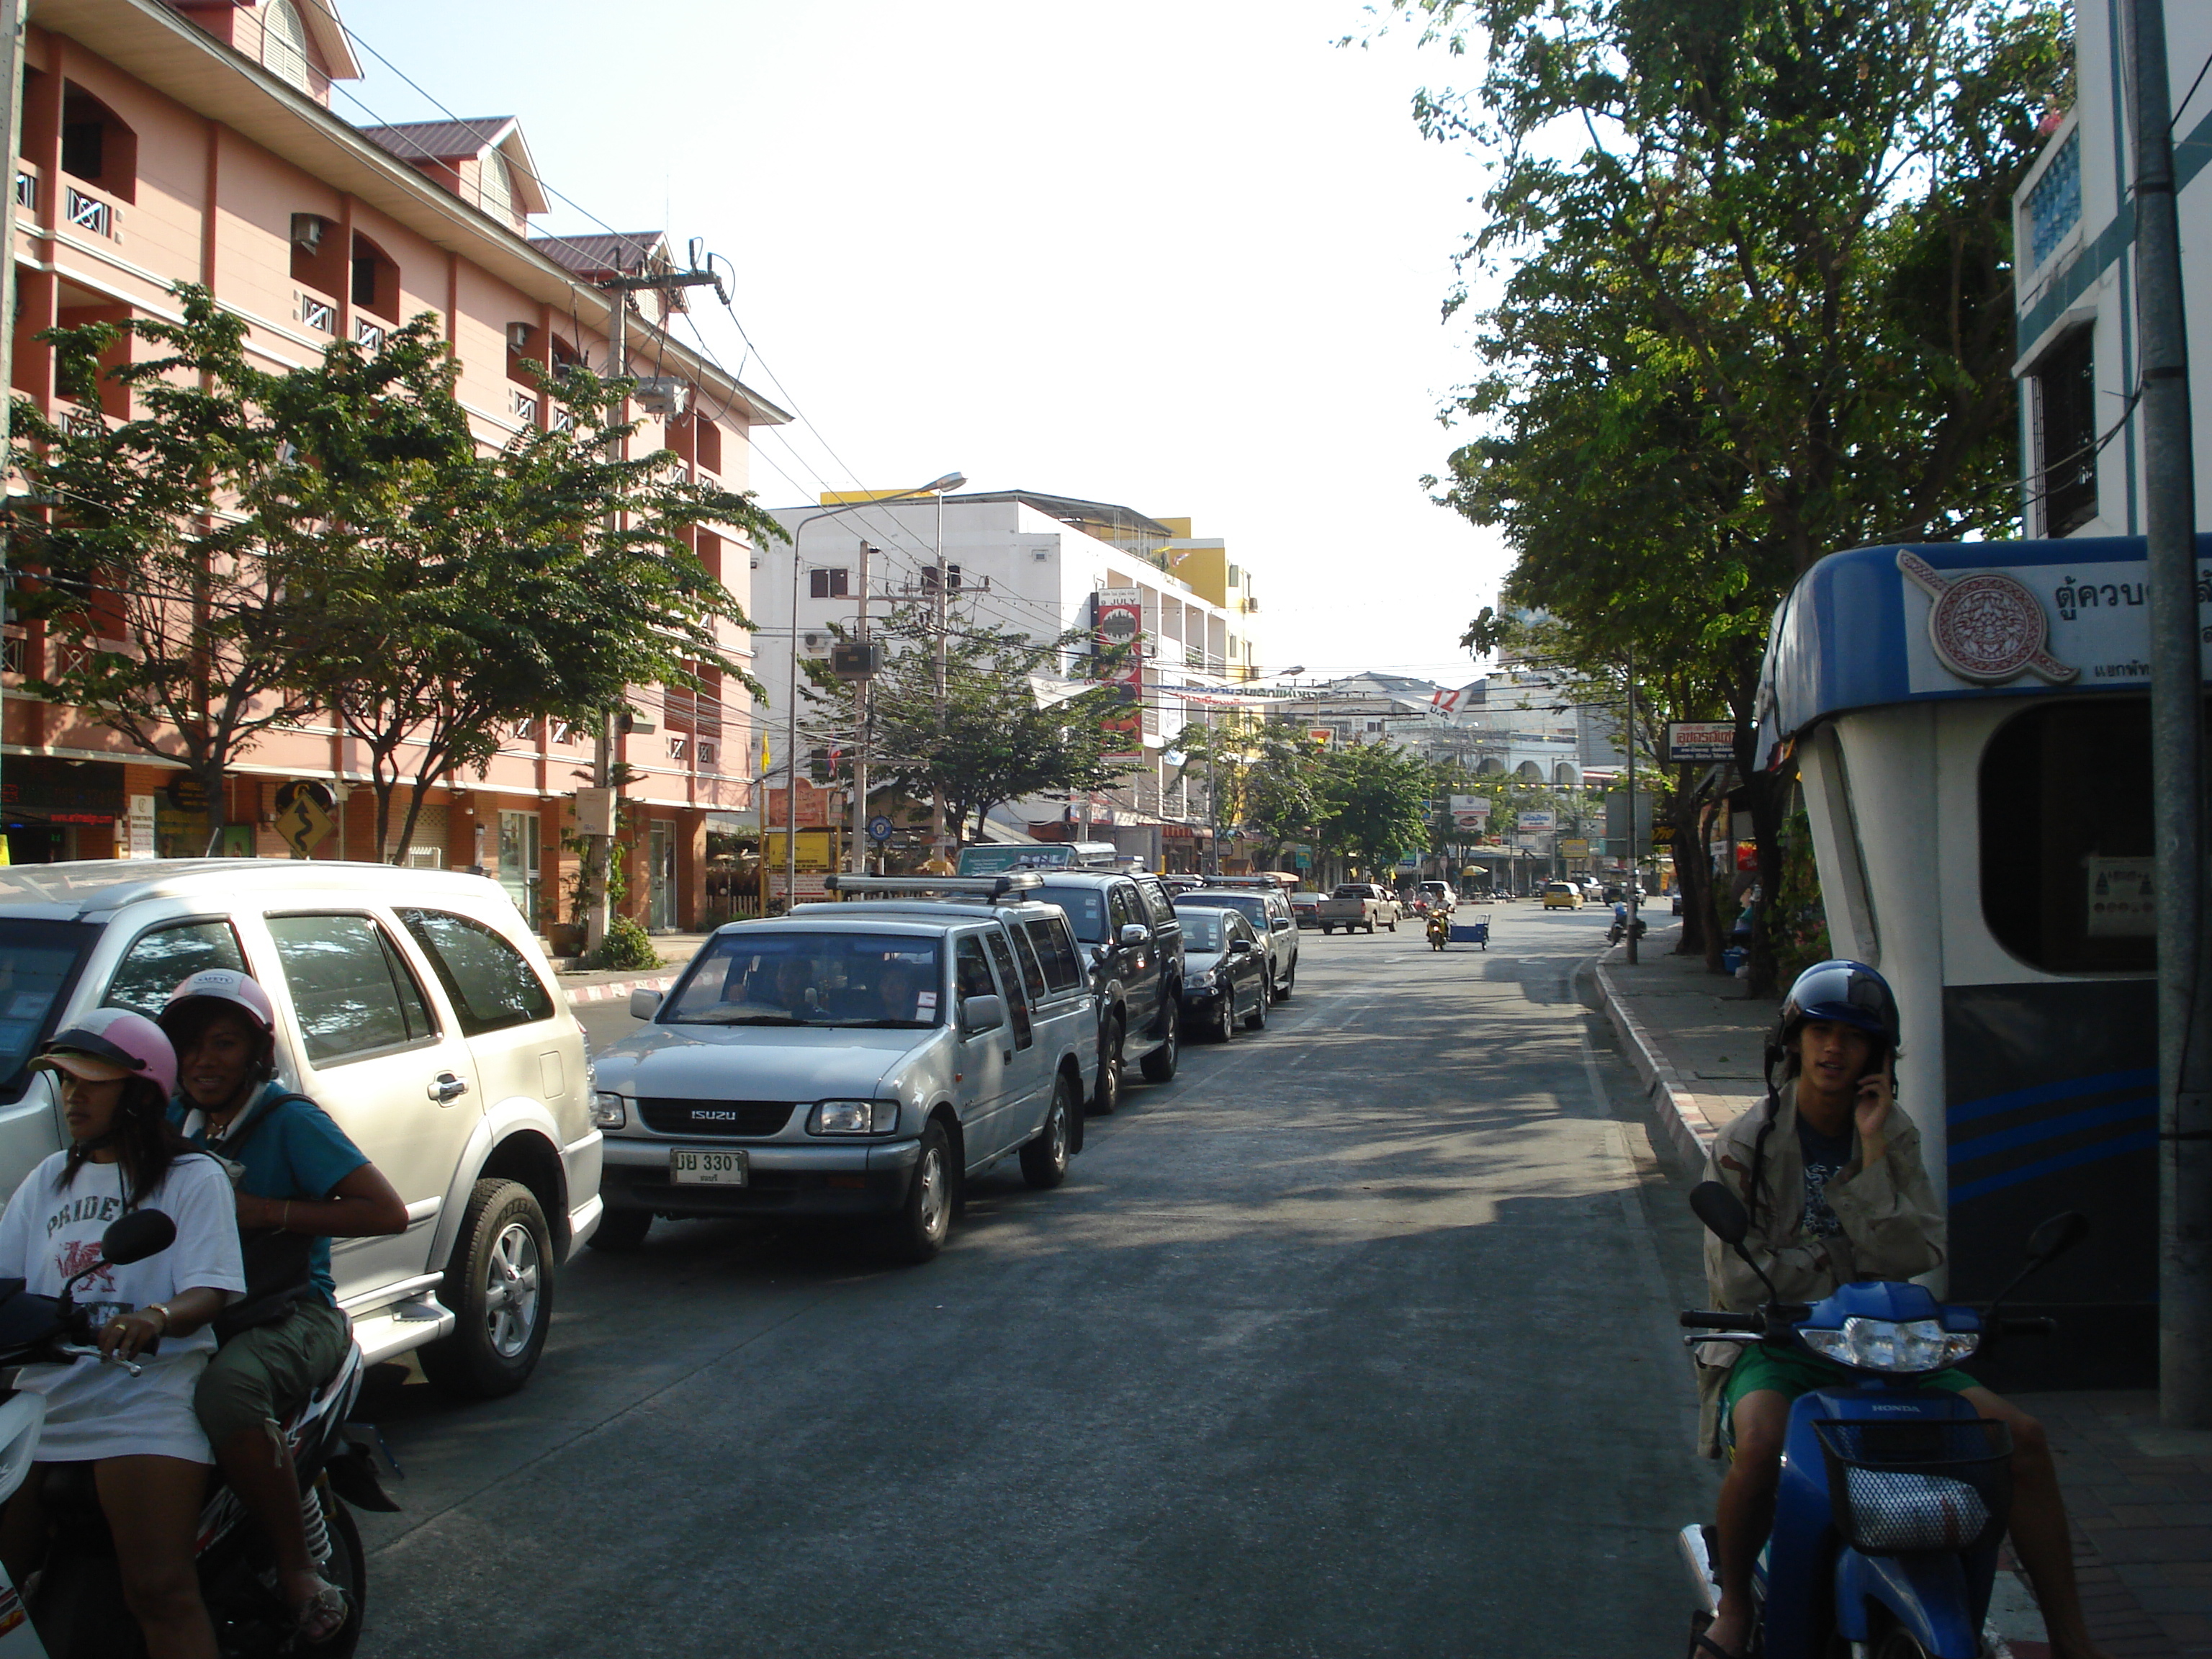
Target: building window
x: 96, y: 146
x: 2065, y: 478
x: 2054, y: 206
x: 284, y: 43
x: 495, y: 187
x: 375, y: 278
x: 828, y: 584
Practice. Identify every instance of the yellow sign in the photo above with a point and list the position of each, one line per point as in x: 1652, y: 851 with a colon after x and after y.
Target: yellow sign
x: 1574, y: 850
x: 815, y: 855
x: 304, y: 824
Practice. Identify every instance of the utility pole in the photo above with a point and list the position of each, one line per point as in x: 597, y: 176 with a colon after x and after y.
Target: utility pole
x: 600, y: 854
x: 940, y: 843
x: 862, y: 691
x: 11, y: 123
x: 1632, y: 809
x: 2177, y: 715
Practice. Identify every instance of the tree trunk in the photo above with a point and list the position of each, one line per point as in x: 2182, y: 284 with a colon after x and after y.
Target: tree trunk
x: 209, y: 773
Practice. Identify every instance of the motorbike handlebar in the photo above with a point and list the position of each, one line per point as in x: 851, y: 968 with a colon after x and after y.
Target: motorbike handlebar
x: 1703, y: 1320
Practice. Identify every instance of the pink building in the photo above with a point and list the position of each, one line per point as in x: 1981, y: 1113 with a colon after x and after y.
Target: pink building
x: 195, y: 141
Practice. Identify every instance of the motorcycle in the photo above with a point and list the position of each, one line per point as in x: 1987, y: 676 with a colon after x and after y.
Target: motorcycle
x: 1620, y: 925
x: 75, y: 1601
x: 1893, y: 1496
x: 1439, y: 931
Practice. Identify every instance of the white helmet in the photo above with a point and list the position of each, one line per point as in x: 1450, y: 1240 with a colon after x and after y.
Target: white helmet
x: 212, y: 988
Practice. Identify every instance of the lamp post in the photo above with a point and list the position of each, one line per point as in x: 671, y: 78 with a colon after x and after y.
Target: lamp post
x: 936, y: 487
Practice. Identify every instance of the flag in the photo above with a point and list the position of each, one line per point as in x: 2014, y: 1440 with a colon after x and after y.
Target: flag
x: 763, y: 765
x: 1446, y: 703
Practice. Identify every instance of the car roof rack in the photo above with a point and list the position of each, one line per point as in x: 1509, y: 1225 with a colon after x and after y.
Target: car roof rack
x: 1015, y: 883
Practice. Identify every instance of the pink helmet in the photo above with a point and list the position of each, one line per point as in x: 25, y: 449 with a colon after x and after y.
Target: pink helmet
x: 109, y: 1044
x: 214, y: 988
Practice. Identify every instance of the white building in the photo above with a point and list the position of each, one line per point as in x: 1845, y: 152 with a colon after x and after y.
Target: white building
x: 2074, y: 282
x: 1031, y: 563
x: 1508, y: 723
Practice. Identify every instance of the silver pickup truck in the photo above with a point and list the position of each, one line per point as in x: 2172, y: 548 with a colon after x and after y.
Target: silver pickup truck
x: 853, y: 1060
x: 1358, y: 904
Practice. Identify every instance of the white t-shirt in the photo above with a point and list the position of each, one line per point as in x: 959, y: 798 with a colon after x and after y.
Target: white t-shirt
x: 51, y: 1232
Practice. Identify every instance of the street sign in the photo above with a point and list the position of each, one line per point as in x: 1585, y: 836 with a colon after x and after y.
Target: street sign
x: 304, y: 824
x: 879, y: 828
x: 1574, y: 850
x: 1700, y: 740
x: 595, y: 811
x: 313, y: 788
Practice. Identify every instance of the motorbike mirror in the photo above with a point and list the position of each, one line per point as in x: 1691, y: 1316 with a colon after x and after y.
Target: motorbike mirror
x: 137, y: 1235
x: 2057, y: 1235
x: 1721, y: 1212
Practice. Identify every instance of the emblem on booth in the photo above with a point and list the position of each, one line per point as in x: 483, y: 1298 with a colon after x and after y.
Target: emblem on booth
x: 1986, y: 627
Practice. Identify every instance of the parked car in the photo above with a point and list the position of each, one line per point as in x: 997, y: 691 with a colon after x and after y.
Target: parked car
x: 1305, y: 908
x: 854, y: 1060
x: 1358, y: 904
x: 1134, y: 947
x: 413, y: 1005
x: 1226, y: 973
x: 1273, y: 924
x: 1562, y: 895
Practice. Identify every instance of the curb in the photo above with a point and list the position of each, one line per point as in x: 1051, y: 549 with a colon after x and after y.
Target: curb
x: 1679, y: 1112
x: 617, y: 990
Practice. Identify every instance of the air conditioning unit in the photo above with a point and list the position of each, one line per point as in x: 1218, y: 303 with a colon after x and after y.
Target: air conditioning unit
x: 308, y: 232
x: 517, y: 336
x: 664, y: 395
x: 815, y: 641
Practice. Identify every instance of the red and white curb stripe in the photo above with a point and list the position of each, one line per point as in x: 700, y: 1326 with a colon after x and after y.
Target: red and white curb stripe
x: 617, y: 990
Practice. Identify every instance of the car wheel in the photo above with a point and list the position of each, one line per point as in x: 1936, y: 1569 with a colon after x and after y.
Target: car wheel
x: 1283, y: 991
x: 1225, y: 1017
x: 622, y: 1230
x: 1108, y: 1094
x: 1159, y: 1065
x: 1327, y: 931
x: 499, y: 1286
x: 1394, y: 924
x: 1370, y: 926
x: 918, y: 1230
x: 1044, y: 1160
x: 1257, y: 1019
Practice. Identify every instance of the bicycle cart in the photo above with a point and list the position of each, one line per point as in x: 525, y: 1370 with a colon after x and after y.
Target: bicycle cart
x: 1473, y: 932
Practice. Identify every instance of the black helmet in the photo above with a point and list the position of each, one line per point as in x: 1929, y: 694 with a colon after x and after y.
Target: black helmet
x: 1846, y: 992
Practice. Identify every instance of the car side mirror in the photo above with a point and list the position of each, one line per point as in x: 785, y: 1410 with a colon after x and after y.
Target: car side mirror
x: 1721, y: 1212
x: 644, y: 1005
x: 1238, y: 947
x: 1134, y: 937
x: 981, y: 1014
x: 137, y: 1235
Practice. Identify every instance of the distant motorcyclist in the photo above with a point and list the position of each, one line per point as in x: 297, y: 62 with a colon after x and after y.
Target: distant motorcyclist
x: 300, y: 1183
x: 1830, y: 1173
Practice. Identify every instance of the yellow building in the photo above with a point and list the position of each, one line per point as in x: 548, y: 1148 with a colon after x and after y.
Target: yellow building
x: 1206, y: 565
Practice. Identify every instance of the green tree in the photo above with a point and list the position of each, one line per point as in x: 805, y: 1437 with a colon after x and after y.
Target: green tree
x: 1373, y: 803
x: 1759, y: 307
x: 538, y: 581
x: 996, y: 738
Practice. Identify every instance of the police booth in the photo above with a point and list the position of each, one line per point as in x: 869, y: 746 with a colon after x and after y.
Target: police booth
x: 1971, y: 726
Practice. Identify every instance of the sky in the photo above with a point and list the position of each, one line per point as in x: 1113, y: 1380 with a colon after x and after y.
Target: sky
x: 1190, y: 257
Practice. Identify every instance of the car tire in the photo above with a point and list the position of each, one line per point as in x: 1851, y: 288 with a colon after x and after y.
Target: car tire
x: 499, y: 1286
x: 621, y: 1231
x: 1225, y: 1017
x: 1159, y: 1065
x: 1370, y: 926
x: 1257, y: 1019
x: 1044, y: 1160
x: 1393, y: 925
x: 1327, y: 931
x: 917, y: 1232
x: 1283, y: 991
x: 1107, y: 1094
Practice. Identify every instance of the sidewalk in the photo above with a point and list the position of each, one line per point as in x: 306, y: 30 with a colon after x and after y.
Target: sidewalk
x: 615, y: 985
x: 2140, y: 1496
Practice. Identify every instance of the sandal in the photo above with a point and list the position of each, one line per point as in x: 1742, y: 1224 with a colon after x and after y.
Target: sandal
x: 1705, y: 1643
x: 322, y: 1616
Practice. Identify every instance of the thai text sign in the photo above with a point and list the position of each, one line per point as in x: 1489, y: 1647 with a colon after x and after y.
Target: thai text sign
x: 1700, y: 740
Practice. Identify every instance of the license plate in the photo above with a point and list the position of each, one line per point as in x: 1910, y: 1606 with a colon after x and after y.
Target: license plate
x: 690, y: 1169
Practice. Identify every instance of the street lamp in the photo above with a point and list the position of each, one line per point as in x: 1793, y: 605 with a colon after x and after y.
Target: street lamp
x: 935, y: 487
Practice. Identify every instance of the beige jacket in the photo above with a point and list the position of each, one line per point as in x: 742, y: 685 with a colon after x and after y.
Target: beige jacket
x: 1893, y: 1227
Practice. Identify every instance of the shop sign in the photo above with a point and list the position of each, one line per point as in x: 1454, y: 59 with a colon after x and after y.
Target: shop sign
x: 1533, y: 818
x: 187, y: 793
x: 1574, y: 850
x: 62, y: 791
x: 141, y: 827
x: 811, y: 888
x: 814, y: 851
x: 1470, y: 812
x: 813, y: 808
x: 1700, y: 740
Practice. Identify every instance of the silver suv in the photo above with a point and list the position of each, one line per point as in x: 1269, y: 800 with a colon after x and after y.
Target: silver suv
x: 1272, y: 919
x: 859, y: 1060
x: 413, y: 1005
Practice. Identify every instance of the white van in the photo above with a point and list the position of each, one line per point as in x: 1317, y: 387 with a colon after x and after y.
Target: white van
x: 413, y: 1005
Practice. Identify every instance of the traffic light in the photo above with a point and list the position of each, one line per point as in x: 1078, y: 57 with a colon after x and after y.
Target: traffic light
x: 818, y: 765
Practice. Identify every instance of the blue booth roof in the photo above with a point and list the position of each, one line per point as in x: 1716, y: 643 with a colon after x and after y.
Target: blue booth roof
x: 1913, y: 624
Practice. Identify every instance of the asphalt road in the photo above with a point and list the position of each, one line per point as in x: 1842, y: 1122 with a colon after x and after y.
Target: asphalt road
x: 1356, y: 1339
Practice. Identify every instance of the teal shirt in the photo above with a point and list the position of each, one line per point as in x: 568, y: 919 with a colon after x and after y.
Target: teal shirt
x: 292, y: 1151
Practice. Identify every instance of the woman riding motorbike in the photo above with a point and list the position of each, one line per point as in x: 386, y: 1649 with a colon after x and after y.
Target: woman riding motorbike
x: 149, y: 1457
x: 300, y: 1183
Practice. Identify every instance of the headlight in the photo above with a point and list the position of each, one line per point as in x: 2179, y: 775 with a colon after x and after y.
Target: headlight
x: 609, y: 1111
x: 852, y: 1117
x: 1889, y: 1345
x: 1202, y: 982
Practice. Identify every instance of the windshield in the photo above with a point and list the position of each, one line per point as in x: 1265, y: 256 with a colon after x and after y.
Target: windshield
x: 38, y: 963
x: 1253, y: 907
x: 1085, y: 908
x: 810, y: 978
x: 1202, y: 928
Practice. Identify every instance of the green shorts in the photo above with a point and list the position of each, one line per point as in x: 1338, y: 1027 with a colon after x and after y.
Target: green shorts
x: 263, y: 1375
x: 1791, y: 1373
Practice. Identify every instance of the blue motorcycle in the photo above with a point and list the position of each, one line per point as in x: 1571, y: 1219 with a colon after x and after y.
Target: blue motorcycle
x: 1893, y: 1496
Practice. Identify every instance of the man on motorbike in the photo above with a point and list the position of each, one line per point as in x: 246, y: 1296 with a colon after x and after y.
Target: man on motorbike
x: 300, y: 1183
x: 1831, y: 1174
x: 149, y: 1458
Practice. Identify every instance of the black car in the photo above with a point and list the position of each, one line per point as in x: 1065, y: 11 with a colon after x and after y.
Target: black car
x: 1272, y: 921
x: 1133, y: 944
x: 1226, y: 976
